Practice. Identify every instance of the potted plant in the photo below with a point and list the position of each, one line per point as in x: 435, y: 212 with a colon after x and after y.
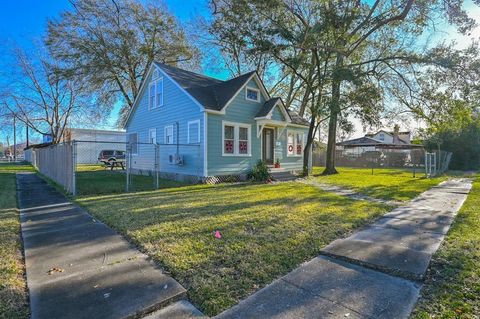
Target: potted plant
x: 277, y: 163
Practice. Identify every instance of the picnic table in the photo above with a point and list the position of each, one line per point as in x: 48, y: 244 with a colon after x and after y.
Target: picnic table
x: 113, y: 164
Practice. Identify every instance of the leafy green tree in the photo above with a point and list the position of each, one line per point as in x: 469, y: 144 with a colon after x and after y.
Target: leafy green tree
x: 462, y: 141
x: 110, y: 45
x: 342, y: 52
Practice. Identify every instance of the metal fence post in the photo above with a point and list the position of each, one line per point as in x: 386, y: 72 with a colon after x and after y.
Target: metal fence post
x: 129, y: 159
x: 426, y: 164
x: 198, y: 163
x: 74, y: 168
x: 157, y: 160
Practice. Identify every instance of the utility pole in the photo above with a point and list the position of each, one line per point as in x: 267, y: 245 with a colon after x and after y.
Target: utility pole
x: 14, y: 138
x: 27, y: 136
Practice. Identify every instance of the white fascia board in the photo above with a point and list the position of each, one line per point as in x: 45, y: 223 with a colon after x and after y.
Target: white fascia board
x: 263, y: 90
x: 180, y: 88
x: 142, y: 88
x: 140, y: 93
x: 222, y: 112
x: 282, y: 109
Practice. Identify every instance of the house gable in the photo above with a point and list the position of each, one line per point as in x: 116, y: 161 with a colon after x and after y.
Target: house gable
x: 145, y: 85
x: 177, y: 111
x: 253, y: 82
x: 277, y: 114
x: 383, y: 136
x: 273, y: 109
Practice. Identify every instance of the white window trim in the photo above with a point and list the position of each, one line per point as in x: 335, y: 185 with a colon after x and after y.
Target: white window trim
x: 236, y: 135
x: 252, y: 89
x: 137, y: 142
x: 295, y: 143
x: 188, y: 131
x: 154, y: 83
x: 155, y: 74
x: 165, y: 134
x: 150, y: 135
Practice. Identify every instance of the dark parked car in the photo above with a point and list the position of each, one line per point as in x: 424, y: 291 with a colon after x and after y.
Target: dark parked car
x: 112, y: 158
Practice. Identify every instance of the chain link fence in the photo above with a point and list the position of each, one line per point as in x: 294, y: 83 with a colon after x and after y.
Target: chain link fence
x: 103, y: 167
x: 416, y: 160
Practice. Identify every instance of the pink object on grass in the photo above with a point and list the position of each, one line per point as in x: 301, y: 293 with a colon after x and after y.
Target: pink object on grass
x: 218, y: 235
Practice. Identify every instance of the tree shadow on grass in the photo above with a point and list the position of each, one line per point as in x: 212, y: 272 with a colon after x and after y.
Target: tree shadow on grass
x: 267, y: 231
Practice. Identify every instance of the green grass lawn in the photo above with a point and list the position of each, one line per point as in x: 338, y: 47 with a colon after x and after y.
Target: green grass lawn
x: 95, y: 179
x: 267, y: 230
x: 391, y: 184
x: 13, y: 291
x: 452, y: 288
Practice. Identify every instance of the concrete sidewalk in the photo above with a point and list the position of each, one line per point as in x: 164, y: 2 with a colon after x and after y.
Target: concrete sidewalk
x: 403, y: 241
x: 78, y: 267
x: 374, y: 273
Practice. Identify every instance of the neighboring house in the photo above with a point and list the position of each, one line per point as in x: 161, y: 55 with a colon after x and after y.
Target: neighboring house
x: 90, y: 142
x: 211, y: 128
x: 392, y: 137
x: 382, y: 139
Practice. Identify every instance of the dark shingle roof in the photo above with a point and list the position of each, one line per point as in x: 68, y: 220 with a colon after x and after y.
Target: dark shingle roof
x: 214, y: 94
x: 197, y: 85
x: 368, y: 141
x: 361, y: 141
x: 226, y: 90
x: 297, y: 119
x: 267, y: 107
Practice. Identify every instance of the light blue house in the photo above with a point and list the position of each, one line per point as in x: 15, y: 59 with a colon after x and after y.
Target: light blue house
x: 208, y: 128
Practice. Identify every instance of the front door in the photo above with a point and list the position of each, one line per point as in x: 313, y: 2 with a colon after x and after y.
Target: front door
x: 267, y: 143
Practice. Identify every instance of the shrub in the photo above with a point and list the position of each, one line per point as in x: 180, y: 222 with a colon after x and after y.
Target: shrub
x: 260, y: 172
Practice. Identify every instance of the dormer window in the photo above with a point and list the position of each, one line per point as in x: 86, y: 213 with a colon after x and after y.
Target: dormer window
x: 382, y: 137
x: 252, y: 94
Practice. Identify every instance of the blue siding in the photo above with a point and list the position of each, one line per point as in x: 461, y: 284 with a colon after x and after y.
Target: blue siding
x: 243, y: 111
x: 288, y: 162
x: 179, y: 108
x: 277, y: 115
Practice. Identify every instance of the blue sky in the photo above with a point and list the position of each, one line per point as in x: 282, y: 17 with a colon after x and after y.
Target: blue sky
x: 24, y: 21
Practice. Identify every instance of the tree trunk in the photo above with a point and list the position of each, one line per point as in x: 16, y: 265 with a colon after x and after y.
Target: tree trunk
x: 332, y: 124
x: 307, y: 146
x: 332, y: 133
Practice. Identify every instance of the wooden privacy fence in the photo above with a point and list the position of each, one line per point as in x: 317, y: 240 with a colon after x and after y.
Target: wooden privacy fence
x: 55, y: 162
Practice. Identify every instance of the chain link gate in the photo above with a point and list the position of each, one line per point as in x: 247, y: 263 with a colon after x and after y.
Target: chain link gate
x: 106, y: 167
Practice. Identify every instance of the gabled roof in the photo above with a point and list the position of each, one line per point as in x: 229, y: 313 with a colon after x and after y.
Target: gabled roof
x: 391, y: 133
x: 368, y: 141
x: 293, y: 117
x: 267, y: 107
x: 212, y: 93
x: 361, y: 141
x: 297, y: 119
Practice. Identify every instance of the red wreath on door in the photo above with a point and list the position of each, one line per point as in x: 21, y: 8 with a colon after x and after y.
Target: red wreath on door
x: 290, y: 148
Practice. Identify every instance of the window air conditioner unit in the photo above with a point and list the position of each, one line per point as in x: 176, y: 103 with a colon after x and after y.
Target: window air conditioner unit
x: 175, y: 159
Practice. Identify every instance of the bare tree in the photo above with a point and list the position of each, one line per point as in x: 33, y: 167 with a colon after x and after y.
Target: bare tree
x: 40, y: 97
